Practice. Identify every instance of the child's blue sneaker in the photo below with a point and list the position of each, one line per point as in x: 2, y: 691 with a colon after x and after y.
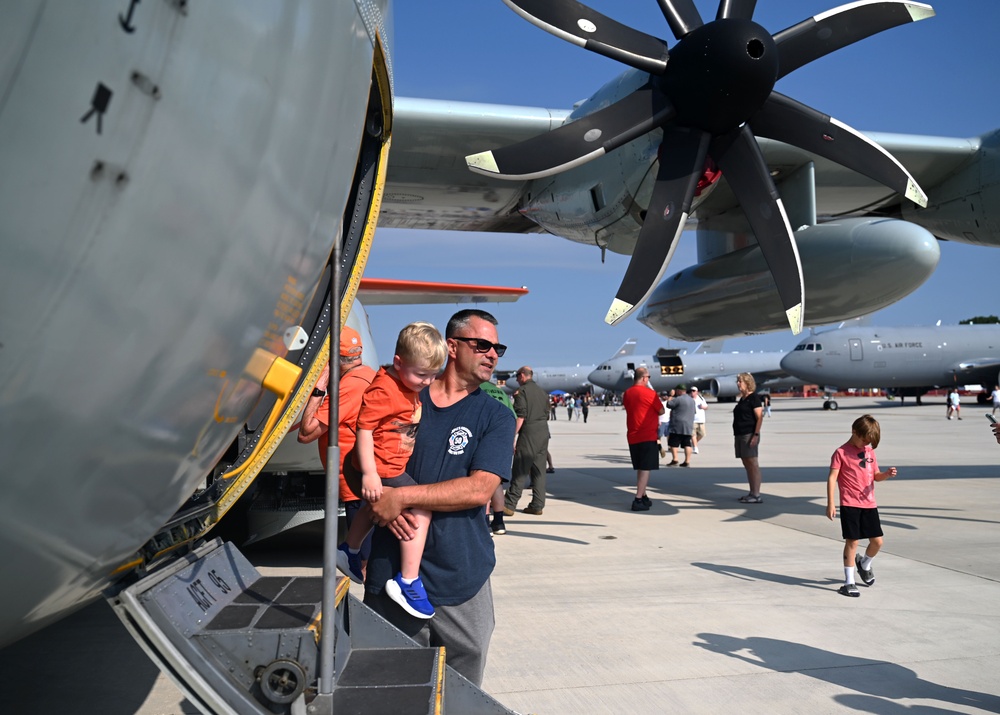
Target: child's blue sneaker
x: 350, y: 564
x: 412, y: 597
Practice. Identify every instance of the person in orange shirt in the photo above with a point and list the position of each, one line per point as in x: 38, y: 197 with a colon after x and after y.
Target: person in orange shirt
x: 387, y: 426
x: 355, y: 377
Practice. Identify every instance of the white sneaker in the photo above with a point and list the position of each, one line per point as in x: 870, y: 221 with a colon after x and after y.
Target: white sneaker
x: 695, y: 450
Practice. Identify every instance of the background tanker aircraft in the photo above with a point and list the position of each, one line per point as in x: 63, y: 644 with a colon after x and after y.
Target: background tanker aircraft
x: 710, y: 372
x: 907, y: 361
x: 574, y: 379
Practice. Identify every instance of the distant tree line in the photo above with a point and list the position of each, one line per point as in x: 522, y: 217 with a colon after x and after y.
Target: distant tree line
x: 981, y: 320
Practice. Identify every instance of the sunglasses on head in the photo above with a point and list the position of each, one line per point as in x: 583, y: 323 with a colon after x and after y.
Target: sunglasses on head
x: 483, y: 346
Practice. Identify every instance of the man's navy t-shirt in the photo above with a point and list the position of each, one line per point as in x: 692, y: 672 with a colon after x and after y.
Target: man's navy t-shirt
x: 476, y: 433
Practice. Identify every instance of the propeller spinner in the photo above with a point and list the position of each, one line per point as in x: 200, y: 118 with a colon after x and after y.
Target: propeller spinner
x: 712, y: 95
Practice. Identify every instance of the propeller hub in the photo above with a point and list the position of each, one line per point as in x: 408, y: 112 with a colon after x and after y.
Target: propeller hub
x: 720, y: 74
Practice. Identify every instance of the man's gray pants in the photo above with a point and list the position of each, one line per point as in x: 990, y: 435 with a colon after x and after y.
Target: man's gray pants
x: 464, y: 630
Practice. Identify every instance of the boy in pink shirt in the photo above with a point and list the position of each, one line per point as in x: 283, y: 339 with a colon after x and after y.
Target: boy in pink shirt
x: 854, y: 471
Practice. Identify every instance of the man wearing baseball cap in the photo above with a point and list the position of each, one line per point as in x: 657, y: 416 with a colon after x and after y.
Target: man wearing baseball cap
x: 355, y: 378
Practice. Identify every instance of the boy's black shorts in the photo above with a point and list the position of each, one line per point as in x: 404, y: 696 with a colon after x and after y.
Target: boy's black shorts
x: 858, y: 523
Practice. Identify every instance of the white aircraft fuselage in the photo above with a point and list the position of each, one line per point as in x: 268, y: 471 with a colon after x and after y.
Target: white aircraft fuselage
x: 897, y: 358
x: 712, y: 372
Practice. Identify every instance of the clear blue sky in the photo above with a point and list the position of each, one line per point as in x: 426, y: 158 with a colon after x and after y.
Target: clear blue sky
x: 936, y: 77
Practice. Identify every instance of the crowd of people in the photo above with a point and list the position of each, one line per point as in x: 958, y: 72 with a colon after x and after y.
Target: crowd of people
x: 428, y: 447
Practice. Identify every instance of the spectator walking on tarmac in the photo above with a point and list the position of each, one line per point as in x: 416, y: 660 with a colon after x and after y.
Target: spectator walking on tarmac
x: 700, y: 405
x: 682, y: 411
x: 642, y: 411
x: 854, y: 471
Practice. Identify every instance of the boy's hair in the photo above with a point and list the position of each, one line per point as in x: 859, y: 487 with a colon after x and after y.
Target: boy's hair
x: 866, y: 427
x: 748, y: 380
x: 422, y: 343
x: 461, y: 320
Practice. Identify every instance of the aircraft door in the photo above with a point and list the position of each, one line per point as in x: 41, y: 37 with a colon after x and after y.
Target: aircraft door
x: 856, y: 351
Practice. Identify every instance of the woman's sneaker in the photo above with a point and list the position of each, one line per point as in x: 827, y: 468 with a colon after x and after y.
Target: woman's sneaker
x: 412, y: 597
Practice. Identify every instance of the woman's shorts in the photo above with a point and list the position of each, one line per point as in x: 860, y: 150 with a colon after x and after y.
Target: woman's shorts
x: 645, y: 455
x: 859, y: 523
x: 743, y: 448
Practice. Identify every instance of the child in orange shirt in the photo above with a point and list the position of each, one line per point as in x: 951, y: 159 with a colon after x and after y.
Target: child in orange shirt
x: 386, y: 428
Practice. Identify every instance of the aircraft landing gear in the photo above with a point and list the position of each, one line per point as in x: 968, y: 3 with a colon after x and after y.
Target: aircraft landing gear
x: 830, y: 405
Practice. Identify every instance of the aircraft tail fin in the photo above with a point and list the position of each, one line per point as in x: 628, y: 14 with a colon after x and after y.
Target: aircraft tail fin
x: 709, y: 346
x: 627, y: 348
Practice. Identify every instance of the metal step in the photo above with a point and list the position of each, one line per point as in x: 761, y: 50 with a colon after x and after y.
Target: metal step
x: 235, y: 641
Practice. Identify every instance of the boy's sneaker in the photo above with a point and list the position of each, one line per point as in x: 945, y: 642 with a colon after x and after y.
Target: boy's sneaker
x: 350, y: 564
x: 412, y: 597
x: 849, y: 589
x: 646, y: 500
x: 497, y: 528
x: 867, y: 575
x: 640, y: 505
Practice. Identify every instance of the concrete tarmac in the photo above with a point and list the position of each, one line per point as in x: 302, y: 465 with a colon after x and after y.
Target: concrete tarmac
x: 700, y: 605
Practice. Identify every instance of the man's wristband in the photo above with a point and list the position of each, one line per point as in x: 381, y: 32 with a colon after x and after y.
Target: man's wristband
x: 756, y: 434
x: 318, y: 392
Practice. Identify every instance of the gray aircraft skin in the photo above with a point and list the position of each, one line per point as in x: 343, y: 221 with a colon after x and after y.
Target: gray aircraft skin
x: 173, y: 178
x: 711, y: 372
x: 908, y: 361
x: 574, y: 379
x: 171, y: 193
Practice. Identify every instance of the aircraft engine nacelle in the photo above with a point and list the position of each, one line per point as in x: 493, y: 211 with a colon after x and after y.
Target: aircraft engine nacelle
x: 724, y: 387
x: 851, y: 267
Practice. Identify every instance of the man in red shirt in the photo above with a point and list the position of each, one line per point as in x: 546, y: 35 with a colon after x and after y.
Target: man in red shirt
x: 642, y: 416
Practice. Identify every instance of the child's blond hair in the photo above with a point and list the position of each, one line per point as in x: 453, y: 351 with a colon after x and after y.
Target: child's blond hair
x: 421, y: 344
x: 867, y: 428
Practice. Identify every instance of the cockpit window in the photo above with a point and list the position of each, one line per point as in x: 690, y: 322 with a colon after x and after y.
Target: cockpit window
x: 799, y: 347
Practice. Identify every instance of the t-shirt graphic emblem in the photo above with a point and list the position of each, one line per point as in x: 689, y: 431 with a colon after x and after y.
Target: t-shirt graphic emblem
x: 459, y: 440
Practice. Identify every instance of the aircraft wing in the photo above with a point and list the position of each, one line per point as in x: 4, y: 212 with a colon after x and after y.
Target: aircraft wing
x: 430, y: 186
x: 383, y: 291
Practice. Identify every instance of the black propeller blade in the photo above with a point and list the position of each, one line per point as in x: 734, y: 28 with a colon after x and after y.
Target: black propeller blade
x: 743, y: 165
x: 829, y: 31
x: 577, y: 142
x: 714, y: 93
x: 736, y: 9
x: 794, y: 123
x: 681, y: 15
x: 593, y: 31
x: 683, y: 154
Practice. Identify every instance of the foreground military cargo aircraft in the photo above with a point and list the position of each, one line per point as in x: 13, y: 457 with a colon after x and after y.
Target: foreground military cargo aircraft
x: 905, y: 361
x: 173, y: 177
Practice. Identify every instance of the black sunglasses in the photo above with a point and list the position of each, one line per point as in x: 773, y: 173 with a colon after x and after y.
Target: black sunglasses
x: 483, y: 346
x: 865, y: 461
